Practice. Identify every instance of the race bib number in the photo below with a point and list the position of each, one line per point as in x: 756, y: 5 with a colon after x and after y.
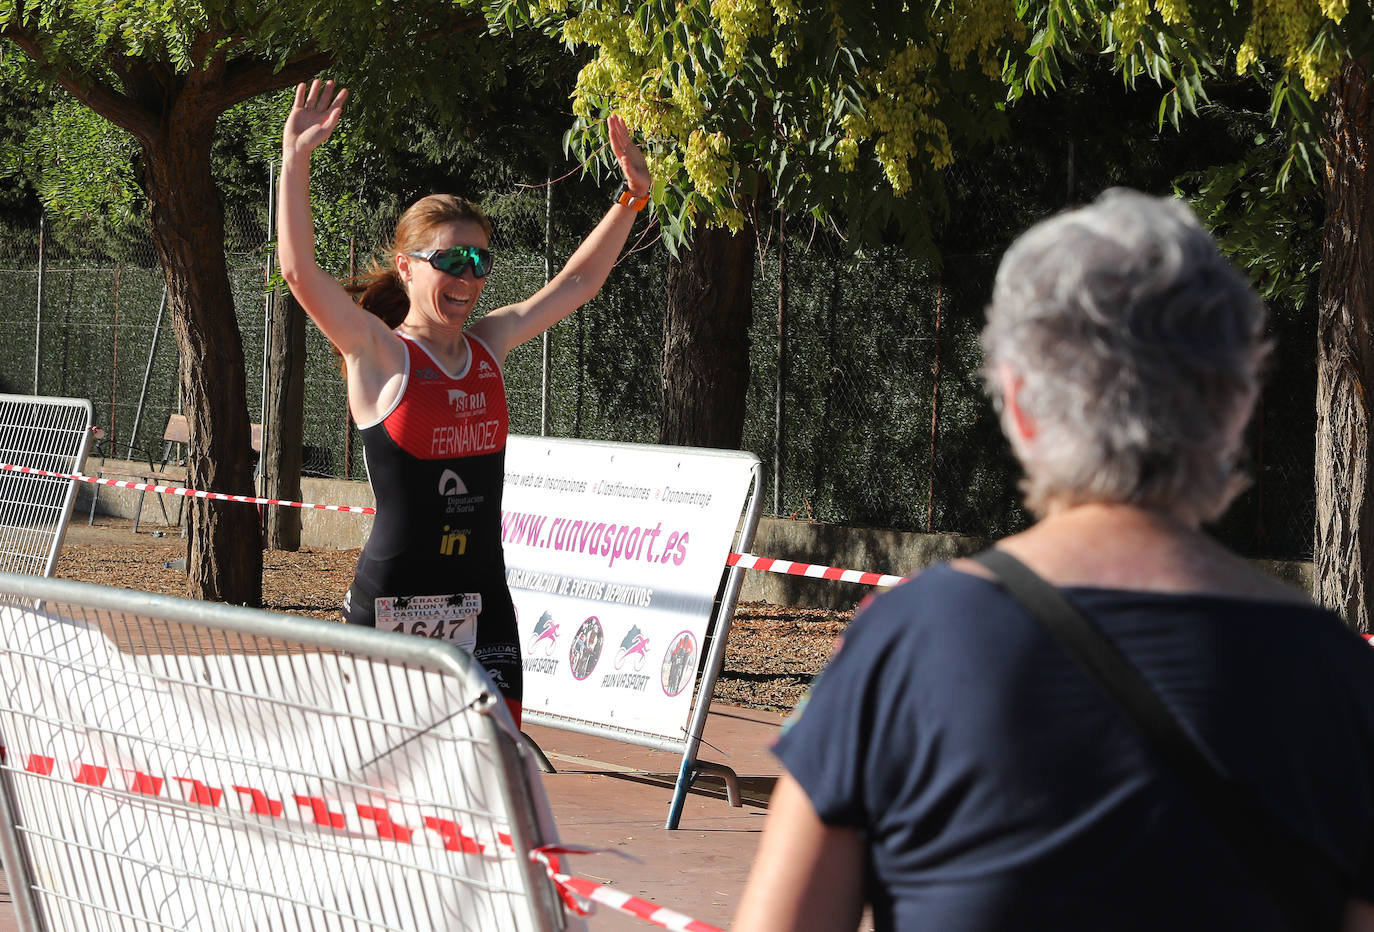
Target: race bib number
x: 451, y: 618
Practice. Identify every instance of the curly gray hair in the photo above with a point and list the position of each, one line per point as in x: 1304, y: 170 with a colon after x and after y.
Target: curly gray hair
x: 1139, y: 349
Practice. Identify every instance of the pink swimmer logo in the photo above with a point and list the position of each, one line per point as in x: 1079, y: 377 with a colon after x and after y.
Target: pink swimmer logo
x: 545, y: 633
x: 634, y: 643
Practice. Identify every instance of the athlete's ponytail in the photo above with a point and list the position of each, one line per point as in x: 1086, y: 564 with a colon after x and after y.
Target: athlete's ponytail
x: 380, y: 292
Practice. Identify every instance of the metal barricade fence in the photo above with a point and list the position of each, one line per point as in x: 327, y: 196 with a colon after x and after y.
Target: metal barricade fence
x: 171, y: 764
x: 50, y: 434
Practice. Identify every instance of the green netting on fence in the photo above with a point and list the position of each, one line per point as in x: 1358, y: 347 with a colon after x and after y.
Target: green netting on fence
x: 885, y: 422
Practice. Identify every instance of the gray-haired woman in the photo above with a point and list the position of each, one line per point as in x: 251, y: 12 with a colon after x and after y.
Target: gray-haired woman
x: 956, y: 770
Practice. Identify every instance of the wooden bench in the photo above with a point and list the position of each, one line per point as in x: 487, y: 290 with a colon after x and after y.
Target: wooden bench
x: 177, y: 431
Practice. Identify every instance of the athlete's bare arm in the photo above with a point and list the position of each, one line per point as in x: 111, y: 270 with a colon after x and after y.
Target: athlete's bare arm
x: 1359, y: 916
x: 374, y: 355
x: 507, y: 327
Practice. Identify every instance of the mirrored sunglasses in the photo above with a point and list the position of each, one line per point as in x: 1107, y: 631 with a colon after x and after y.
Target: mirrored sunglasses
x: 452, y: 261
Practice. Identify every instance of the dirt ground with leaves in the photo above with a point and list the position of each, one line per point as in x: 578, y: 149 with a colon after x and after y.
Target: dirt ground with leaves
x: 771, y: 657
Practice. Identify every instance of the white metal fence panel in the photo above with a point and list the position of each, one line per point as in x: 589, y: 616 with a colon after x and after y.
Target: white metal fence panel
x: 178, y: 765
x: 49, y: 434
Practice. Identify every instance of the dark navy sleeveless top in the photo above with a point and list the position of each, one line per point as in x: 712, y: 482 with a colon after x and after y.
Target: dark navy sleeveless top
x: 997, y: 787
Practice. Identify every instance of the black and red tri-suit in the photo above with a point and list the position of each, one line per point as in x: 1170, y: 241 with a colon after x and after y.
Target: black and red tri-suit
x: 436, y: 463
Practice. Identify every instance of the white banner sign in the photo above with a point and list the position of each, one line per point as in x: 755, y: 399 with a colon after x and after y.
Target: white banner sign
x: 614, y: 554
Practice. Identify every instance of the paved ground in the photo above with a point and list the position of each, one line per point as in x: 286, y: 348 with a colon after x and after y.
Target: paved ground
x: 615, y: 796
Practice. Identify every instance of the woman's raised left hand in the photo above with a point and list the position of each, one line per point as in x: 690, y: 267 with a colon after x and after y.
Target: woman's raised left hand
x: 631, y: 160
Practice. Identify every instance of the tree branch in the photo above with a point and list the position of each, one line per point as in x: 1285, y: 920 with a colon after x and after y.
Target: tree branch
x: 118, y: 108
x: 249, y: 77
x: 210, y: 58
x: 225, y: 81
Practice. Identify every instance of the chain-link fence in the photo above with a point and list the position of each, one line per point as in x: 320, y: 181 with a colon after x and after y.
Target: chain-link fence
x: 90, y: 321
x: 885, y: 424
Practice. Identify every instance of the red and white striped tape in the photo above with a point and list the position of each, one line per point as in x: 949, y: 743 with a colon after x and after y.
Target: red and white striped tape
x: 746, y: 560
x: 408, y: 825
x: 813, y: 570
x: 578, y: 890
x: 370, y: 821
x: 189, y: 493
x: 631, y: 905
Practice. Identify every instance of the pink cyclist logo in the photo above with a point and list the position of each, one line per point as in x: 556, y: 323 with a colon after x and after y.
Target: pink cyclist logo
x: 635, y: 645
x: 545, y: 637
x: 679, y: 663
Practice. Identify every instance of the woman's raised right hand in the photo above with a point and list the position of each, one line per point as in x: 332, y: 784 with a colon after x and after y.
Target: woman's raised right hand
x: 313, y: 117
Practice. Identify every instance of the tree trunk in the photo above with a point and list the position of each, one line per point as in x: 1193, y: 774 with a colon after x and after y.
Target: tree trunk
x: 286, y: 422
x: 706, y: 341
x: 1344, y: 539
x: 224, y: 544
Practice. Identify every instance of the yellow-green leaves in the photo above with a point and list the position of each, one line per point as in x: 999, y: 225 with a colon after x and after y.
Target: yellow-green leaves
x: 816, y: 104
x: 974, y: 31
x: 1305, y: 38
x: 707, y: 161
x: 1300, y: 33
x: 739, y: 21
x: 899, y: 116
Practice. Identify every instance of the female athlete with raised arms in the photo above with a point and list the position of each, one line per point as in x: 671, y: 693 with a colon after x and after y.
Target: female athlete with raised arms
x: 426, y: 389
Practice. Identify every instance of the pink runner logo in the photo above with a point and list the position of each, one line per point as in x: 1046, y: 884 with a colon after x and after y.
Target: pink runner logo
x: 634, y: 645
x: 545, y: 636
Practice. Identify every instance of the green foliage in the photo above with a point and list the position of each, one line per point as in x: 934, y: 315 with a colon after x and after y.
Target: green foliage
x: 829, y: 110
x: 1271, y: 230
x: 21, y: 106
x: 1263, y: 205
x: 100, y: 40
x: 247, y: 140
x: 57, y: 156
x: 137, y: 63
x: 87, y: 172
x: 432, y: 93
x: 1295, y: 48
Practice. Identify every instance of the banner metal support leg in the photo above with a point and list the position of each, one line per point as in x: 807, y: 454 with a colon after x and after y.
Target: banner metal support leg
x: 714, y: 662
x: 705, y: 768
x: 540, y: 758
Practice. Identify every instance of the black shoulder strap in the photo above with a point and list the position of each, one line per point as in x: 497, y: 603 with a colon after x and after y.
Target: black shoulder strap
x: 1268, y: 848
